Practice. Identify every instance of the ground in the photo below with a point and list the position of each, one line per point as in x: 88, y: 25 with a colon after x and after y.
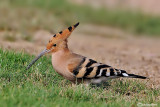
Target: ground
x: 124, y: 39
x: 139, y: 55
x: 147, y: 6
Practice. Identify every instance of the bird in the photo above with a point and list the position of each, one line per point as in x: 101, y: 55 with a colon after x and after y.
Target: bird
x: 77, y: 68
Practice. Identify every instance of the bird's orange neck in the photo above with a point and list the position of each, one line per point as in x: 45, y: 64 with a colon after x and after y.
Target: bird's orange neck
x: 60, y: 57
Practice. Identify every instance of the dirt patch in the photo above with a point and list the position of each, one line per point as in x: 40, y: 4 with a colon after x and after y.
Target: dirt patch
x: 136, y: 55
x: 147, y: 6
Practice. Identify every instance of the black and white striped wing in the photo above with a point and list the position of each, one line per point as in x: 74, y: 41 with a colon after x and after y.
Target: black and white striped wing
x: 89, y: 68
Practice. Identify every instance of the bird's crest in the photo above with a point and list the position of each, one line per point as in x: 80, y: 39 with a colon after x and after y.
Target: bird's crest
x: 61, y: 36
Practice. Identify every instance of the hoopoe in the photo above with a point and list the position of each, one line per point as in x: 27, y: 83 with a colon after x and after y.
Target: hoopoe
x: 77, y: 68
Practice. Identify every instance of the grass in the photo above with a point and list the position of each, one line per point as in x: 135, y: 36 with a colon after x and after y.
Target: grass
x: 42, y: 86
x: 49, y: 14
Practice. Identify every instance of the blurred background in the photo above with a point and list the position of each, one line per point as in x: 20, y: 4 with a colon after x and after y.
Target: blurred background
x: 122, y: 33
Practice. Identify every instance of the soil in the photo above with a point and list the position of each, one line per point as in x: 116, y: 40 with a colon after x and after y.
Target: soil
x: 147, y: 6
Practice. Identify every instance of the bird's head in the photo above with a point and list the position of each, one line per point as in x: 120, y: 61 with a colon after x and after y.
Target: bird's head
x: 57, y: 42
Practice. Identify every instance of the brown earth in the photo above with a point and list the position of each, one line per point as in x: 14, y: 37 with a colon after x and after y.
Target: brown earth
x: 137, y: 55
x: 147, y: 6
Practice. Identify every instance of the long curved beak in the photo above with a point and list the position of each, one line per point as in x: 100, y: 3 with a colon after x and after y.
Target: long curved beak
x: 35, y: 59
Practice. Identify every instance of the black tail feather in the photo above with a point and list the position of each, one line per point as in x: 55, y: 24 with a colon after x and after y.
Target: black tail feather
x: 136, y: 76
x: 125, y: 74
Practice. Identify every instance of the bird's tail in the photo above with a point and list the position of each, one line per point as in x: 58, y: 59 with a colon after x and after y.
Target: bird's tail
x: 124, y: 74
x: 136, y: 76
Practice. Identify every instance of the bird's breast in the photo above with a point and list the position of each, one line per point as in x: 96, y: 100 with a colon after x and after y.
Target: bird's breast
x: 59, y: 63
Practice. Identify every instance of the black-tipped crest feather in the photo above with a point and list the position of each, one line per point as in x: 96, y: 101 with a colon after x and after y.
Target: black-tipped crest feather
x: 76, y: 24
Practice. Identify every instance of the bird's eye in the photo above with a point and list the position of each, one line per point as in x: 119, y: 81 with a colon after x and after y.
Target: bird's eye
x: 54, y: 45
